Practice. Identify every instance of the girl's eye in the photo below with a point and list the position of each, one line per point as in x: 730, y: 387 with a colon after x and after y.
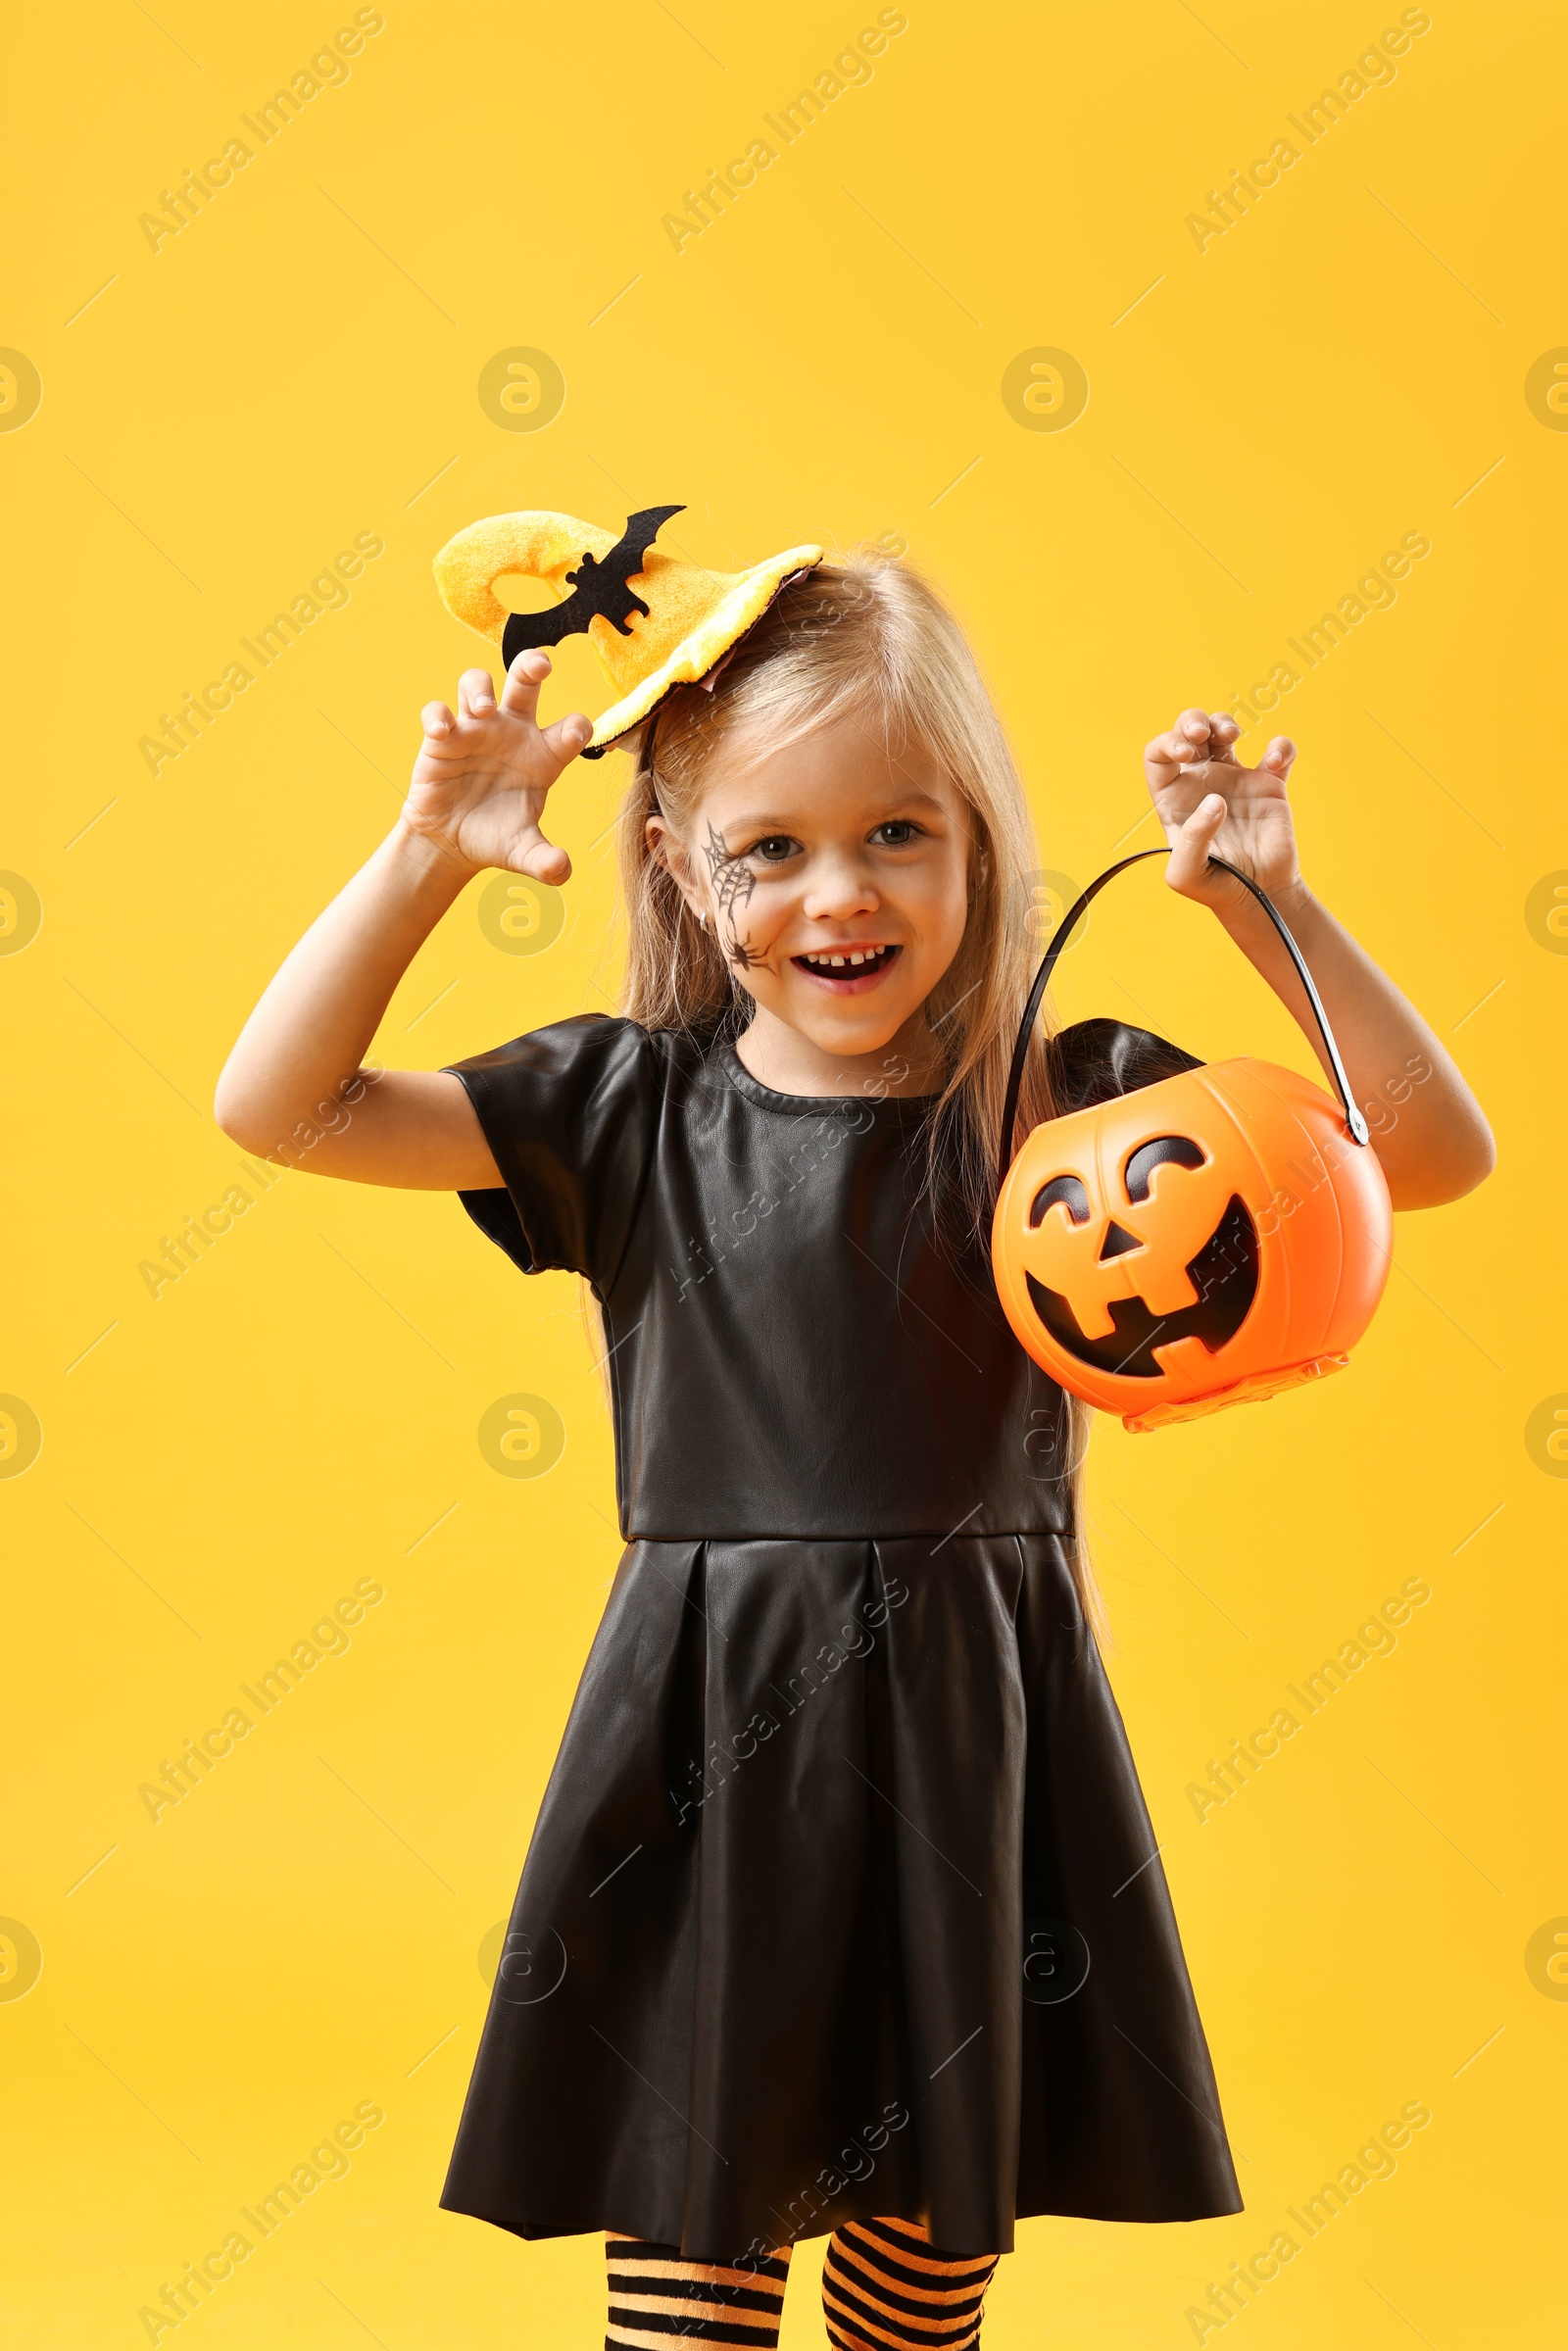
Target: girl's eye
x: 897, y: 833
x: 773, y: 849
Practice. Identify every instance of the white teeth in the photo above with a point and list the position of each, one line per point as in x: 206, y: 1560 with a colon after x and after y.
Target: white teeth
x: 856, y: 958
x: 837, y: 962
x: 831, y: 962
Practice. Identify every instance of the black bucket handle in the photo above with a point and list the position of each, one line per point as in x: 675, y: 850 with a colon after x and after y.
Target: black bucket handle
x: 1010, y: 1111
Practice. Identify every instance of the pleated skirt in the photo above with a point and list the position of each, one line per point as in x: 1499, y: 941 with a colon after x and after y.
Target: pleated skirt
x: 842, y: 1901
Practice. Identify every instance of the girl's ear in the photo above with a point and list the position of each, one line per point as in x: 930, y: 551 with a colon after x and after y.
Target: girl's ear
x: 667, y: 848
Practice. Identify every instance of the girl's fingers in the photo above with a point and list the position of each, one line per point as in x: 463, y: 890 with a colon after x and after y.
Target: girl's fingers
x: 1175, y: 750
x: 476, y: 693
x: 1194, y: 840
x: 568, y: 736
x: 1280, y: 756
x: 541, y: 860
x: 520, y: 694
x: 1222, y: 733
x: 436, y: 720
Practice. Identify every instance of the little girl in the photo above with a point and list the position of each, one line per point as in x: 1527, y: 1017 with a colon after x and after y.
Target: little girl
x: 843, y: 1913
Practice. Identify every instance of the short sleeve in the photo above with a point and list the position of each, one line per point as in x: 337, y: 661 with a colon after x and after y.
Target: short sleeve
x: 1095, y: 1060
x: 569, y: 1112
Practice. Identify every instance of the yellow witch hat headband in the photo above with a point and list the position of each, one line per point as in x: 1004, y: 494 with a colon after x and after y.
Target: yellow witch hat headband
x: 672, y: 631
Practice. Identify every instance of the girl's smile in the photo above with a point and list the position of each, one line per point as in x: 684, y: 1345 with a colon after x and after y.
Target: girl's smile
x: 848, y: 970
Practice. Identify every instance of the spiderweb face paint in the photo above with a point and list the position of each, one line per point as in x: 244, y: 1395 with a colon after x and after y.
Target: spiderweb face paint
x: 733, y: 882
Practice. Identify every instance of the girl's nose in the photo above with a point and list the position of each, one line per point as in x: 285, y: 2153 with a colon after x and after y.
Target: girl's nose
x: 839, y: 888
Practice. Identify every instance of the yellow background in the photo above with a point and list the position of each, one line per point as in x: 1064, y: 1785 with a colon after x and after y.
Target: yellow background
x: 300, y: 1410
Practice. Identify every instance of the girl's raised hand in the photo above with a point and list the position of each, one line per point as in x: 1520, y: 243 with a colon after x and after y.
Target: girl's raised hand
x: 479, y: 782
x: 1207, y: 800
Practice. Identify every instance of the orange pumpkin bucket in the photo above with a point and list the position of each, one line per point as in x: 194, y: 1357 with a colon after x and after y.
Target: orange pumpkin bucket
x: 1207, y: 1240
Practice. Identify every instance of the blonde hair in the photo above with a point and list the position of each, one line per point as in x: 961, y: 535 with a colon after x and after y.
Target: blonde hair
x: 866, y: 636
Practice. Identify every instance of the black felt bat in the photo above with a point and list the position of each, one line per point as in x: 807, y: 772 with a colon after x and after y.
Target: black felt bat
x: 597, y: 587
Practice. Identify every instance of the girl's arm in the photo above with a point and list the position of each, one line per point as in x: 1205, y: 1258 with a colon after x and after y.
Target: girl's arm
x: 1427, y: 1127
x: 294, y: 1087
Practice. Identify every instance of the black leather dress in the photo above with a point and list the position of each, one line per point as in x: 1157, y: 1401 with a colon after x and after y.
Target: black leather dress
x: 843, y: 1899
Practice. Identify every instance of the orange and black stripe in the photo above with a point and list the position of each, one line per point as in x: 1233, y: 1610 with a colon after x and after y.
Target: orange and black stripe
x: 657, y: 2298
x: 885, y: 2286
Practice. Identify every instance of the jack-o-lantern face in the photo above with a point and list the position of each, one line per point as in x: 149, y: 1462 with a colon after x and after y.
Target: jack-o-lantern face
x: 1174, y: 1257
x: 1212, y: 1236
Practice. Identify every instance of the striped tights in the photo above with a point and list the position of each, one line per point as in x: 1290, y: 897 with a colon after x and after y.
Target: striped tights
x: 884, y: 2287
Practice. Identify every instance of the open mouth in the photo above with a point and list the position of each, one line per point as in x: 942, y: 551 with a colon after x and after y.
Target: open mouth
x: 848, y: 969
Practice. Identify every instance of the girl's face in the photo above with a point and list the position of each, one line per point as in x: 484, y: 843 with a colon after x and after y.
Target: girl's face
x: 835, y: 877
